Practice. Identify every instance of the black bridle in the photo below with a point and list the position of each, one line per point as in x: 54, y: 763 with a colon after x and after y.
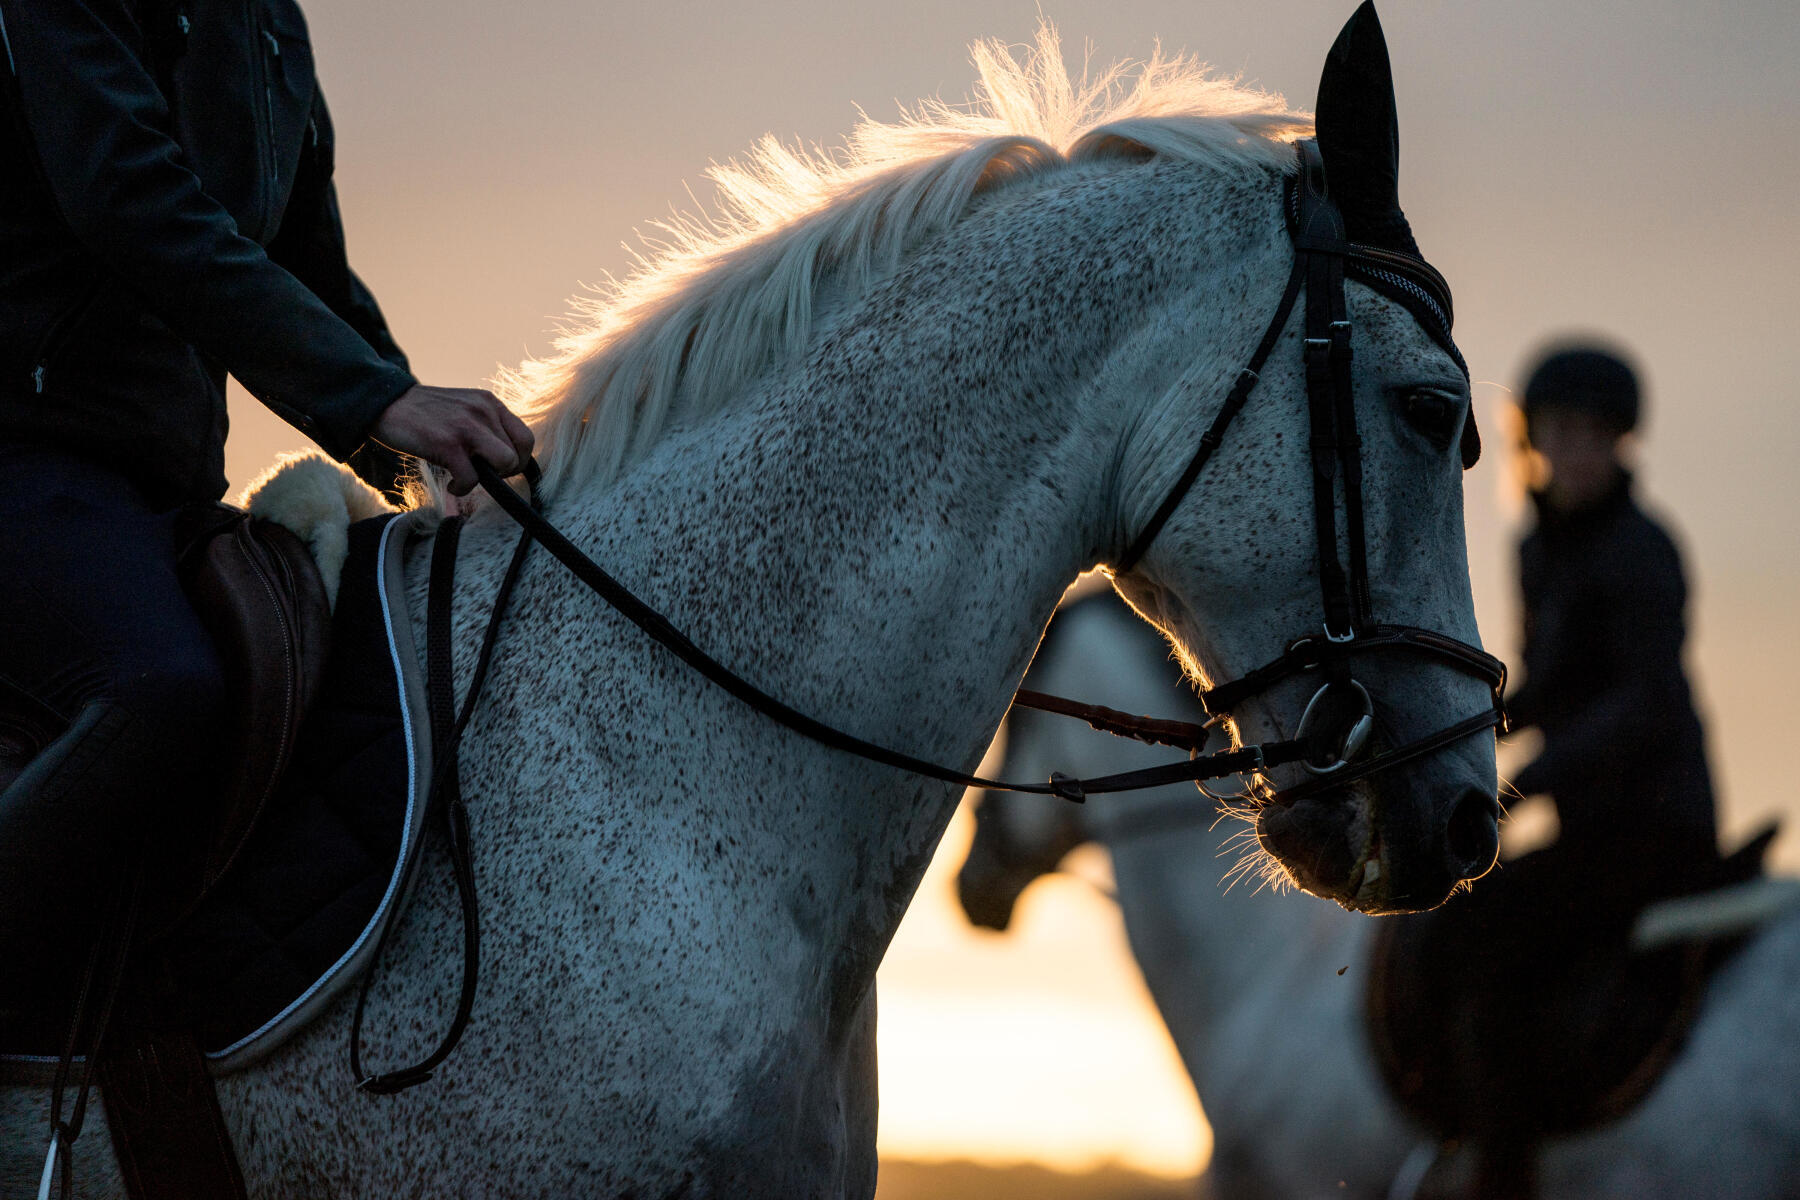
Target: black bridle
x: 1323, y: 257
x: 1330, y: 735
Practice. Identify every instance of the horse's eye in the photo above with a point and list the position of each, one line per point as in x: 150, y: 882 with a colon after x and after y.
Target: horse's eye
x: 1434, y: 414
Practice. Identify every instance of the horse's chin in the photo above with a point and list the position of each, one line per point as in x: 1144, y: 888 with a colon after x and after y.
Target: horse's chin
x: 1329, y: 845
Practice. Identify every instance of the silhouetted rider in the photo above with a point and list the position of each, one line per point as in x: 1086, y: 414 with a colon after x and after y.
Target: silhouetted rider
x: 166, y: 216
x: 1604, y: 611
x: 1519, y: 1005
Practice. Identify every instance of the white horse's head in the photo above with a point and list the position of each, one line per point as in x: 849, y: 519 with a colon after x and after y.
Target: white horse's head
x: 966, y: 321
x: 1236, y: 573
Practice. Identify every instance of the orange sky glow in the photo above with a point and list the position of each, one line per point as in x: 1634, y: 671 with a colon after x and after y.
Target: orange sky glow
x: 1619, y: 167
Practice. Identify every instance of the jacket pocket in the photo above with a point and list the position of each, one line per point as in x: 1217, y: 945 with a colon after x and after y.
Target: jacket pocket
x: 287, y: 85
x: 56, y: 338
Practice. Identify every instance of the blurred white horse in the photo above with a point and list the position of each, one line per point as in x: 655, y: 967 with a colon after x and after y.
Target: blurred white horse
x: 855, y: 442
x: 1253, y: 986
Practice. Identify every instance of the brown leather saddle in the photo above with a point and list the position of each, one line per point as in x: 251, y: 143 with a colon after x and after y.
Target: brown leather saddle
x: 1515, y: 1054
x: 259, y: 593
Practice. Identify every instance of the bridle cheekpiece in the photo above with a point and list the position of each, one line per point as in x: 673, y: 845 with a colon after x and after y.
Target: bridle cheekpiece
x: 1338, y: 721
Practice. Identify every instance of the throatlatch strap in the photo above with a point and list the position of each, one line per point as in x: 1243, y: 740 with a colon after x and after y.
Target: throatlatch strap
x: 1215, y: 435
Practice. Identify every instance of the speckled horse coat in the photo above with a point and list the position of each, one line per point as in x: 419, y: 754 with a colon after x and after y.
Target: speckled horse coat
x: 684, y: 904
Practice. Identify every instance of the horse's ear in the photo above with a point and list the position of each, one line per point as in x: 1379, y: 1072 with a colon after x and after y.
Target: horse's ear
x: 1359, y: 135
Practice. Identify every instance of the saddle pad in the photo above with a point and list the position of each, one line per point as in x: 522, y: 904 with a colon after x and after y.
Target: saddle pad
x: 1482, y: 1025
x: 1549, y: 1057
x: 296, y: 919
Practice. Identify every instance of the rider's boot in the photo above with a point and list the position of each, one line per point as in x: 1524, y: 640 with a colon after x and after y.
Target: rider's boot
x: 66, y: 823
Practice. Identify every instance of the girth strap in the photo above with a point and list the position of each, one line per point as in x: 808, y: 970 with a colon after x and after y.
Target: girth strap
x: 168, y: 1133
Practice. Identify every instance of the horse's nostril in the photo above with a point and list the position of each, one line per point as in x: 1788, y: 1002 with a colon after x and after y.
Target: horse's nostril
x: 1473, y: 835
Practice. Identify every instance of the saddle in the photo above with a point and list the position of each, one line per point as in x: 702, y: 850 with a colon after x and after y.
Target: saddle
x: 271, y: 896
x: 258, y: 591
x: 1492, y: 1050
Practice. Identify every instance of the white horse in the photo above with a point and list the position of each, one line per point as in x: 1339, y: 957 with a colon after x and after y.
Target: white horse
x: 855, y: 441
x: 1271, y: 1032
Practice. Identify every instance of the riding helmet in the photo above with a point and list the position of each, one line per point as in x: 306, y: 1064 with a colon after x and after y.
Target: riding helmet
x: 1587, y: 379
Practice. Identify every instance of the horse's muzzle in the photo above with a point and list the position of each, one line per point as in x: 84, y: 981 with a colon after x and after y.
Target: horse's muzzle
x: 1381, y: 855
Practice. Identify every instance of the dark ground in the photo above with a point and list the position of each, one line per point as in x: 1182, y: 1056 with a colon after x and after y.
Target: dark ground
x: 903, y: 1180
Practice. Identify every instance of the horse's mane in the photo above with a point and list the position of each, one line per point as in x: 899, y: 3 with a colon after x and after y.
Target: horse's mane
x: 713, y: 300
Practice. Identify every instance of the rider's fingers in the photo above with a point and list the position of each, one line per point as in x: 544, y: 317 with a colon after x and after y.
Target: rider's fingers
x: 518, y: 433
x: 486, y: 434
x: 499, y: 453
x: 462, y: 472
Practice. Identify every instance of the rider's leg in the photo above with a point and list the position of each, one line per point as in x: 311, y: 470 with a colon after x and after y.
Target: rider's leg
x: 96, y: 635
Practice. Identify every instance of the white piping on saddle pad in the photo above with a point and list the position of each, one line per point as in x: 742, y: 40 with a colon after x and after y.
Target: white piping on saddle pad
x: 390, y: 577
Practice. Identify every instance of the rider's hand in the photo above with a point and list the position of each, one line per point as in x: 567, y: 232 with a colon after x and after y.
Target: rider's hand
x: 450, y: 426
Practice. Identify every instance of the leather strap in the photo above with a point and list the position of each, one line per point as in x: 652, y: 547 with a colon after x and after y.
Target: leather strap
x: 101, y: 986
x: 445, y: 796
x: 1307, y: 653
x: 1158, y: 731
x: 1430, y: 744
x: 167, y: 1131
x: 660, y: 630
x: 1214, y: 436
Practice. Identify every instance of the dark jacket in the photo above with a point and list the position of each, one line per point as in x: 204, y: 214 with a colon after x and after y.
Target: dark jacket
x: 1624, y: 754
x: 167, y: 216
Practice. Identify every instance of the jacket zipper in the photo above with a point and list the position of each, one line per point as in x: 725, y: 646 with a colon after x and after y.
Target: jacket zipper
x: 59, y: 332
x: 269, y: 108
x: 267, y: 123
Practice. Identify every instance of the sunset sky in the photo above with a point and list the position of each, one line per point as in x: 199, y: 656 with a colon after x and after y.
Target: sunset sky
x: 1625, y: 168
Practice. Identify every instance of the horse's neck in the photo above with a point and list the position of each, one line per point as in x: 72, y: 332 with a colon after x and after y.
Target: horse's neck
x: 875, y: 534
x: 876, y: 537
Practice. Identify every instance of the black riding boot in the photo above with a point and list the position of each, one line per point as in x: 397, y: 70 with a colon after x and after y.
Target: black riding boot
x: 63, y: 838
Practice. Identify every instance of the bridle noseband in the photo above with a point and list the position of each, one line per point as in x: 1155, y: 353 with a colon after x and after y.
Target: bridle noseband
x: 1323, y: 257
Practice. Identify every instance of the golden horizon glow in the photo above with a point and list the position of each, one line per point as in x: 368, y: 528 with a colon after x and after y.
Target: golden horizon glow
x: 1057, y: 1051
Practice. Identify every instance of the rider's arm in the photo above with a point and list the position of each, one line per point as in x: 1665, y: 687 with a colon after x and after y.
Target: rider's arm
x: 1645, y: 700
x: 100, y: 126
x: 310, y: 245
x: 310, y: 242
